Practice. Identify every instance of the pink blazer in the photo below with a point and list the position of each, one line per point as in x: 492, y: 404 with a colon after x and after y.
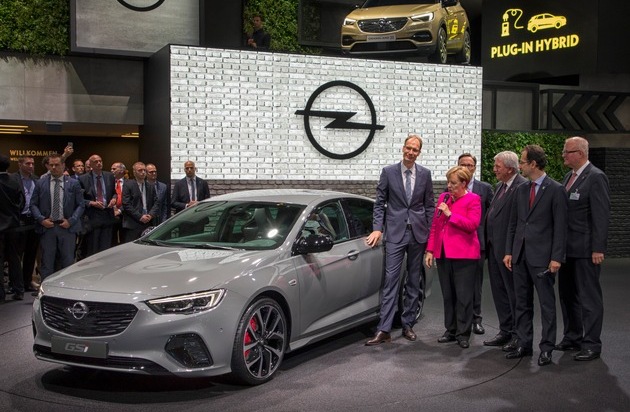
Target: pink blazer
x: 457, y: 234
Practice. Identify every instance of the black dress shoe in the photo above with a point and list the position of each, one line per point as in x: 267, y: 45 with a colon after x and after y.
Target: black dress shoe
x: 478, y: 329
x: 379, y: 338
x: 519, y: 352
x: 498, y: 340
x: 586, y: 355
x: 446, y: 338
x: 512, y: 345
x: 566, y: 345
x: 463, y: 343
x: 544, y: 358
x: 409, y: 334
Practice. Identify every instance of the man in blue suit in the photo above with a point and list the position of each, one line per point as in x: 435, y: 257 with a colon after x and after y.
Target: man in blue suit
x: 402, y: 215
x: 57, y: 206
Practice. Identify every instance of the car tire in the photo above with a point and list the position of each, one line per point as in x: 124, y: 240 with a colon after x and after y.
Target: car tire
x: 440, y: 55
x: 463, y: 56
x: 401, y: 296
x: 260, y: 343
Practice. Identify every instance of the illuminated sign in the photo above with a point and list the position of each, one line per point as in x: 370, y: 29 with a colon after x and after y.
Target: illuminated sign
x: 529, y: 39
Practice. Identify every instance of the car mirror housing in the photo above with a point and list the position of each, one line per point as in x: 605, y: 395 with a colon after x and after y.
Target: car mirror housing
x: 313, y: 244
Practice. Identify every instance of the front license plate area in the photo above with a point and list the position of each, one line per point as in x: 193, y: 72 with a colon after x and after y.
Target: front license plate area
x: 381, y: 37
x: 75, y: 347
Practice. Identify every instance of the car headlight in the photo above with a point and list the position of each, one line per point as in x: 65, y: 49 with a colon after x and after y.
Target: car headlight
x: 348, y: 22
x: 187, y: 304
x: 422, y: 17
x: 40, y: 292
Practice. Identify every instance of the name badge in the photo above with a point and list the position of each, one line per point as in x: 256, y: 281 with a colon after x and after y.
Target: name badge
x: 574, y: 196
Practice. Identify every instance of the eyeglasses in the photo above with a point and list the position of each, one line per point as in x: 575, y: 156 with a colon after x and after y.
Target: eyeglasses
x: 523, y: 162
x: 565, y: 152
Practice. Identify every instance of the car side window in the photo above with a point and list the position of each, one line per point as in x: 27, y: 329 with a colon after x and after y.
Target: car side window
x: 359, y: 216
x: 328, y: 219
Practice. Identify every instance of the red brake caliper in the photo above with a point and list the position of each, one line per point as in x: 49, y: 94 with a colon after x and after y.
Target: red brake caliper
x: 248, y: 337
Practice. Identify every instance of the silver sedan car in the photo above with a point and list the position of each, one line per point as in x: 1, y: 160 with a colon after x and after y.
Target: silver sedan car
x: 227, y: 286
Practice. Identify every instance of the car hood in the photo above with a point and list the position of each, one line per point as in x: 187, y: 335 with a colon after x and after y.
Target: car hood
x: 392, y: 11
x: 158, y: 271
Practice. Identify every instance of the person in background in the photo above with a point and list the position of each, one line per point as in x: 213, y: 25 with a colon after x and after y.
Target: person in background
x: 189, y: 190
x: 484, y: 190
x: 454, y: 245
x: 259, y: 39
x: 164, y: 195
x: 140, y: 203
x: 402, y: 216
x: 78, y: 168
x: 535, y: 248
x: 57, y: 206
x: 580, y: 293
x: 118, y: 169
x: 497, y: 220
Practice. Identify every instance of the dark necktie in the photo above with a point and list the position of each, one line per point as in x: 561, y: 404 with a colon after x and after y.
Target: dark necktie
x: 408, y: 185
x: 532, y: 194
x: 56, y: 206
x: 99, y: 190
x: 193, y: 195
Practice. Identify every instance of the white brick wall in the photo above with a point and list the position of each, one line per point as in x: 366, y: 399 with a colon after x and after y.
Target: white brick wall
x: 233, y: 114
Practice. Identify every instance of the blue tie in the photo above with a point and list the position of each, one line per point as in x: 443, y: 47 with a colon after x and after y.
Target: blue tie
x: 408, y: 184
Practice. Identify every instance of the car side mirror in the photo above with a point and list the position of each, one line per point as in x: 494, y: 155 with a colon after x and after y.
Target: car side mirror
x: 449, y: 3
x: 313, y: 244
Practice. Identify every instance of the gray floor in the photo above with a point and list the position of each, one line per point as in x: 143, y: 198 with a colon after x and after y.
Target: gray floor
x: 342, y: 374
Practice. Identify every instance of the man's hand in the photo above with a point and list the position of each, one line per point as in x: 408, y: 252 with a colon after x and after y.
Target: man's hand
x: 554, y: 266
x: 373, y: 238
x: 598, y: 258
x: 507, y: 261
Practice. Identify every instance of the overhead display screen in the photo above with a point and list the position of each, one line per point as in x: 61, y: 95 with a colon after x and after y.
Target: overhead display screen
x: 533, y: 39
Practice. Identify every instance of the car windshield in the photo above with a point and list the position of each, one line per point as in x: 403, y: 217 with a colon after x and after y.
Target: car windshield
x: 244, y: 225
x: 379, y: 3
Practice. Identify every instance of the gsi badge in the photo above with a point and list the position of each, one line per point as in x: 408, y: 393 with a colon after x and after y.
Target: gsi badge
x: 76, y: 347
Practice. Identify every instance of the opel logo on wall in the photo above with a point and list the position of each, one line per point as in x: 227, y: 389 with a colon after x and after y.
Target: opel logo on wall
x: 141, y: 5
x: 79, y: 310
x: 340, y: 118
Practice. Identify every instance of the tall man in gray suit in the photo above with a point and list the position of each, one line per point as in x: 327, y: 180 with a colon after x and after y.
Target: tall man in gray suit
x: 578, y: 284
x: 57, y: 206
x: 403, y: 212
x: 497, y: 220
x: 484, y: 190
x: 534, y: 250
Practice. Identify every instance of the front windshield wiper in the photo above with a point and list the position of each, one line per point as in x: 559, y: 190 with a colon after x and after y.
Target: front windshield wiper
x: 156, y: 242
x: 210, y: 246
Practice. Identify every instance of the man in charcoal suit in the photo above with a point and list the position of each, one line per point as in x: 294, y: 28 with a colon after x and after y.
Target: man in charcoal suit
x: 140, y: 203
x: 189, y: 190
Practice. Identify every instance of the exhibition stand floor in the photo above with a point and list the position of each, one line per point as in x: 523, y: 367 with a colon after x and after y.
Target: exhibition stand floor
x: 341, y: 374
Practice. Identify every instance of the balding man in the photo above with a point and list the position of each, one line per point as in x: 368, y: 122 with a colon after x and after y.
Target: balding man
x: 189, y: 190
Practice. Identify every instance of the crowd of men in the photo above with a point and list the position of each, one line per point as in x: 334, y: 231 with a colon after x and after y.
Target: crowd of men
x: 50, y: 221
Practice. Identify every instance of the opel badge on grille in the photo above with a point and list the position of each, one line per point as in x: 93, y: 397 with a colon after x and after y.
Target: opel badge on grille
x: 79, y: 310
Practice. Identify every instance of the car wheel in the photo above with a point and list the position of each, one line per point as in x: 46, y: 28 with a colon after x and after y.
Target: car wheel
x: 401, y: 296
x: 534, y: 29
x: 463, y: 56
x: 440, y: 55
x: 260, y: 343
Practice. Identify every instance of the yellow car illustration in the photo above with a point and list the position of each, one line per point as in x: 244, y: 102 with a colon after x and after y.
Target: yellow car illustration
x: 545, y: 21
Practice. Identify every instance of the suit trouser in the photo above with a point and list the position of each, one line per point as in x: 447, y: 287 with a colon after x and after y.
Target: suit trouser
x: 28, y: 245
x: 9, y: 252
x: 582, y: 303
x: 525, y: 280
x: 394, y: 256
x: 457, y: 281
x: 502, y: 286
x: 478, y: 287
x: 57, y: 242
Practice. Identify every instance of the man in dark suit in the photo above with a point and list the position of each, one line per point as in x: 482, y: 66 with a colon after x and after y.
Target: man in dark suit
x: 403, y: 211
x: 57, y: 206
x: 11, y: 205
x: 497, y: 220
x: 118, y: 169
x: 578, y: 283
x: 534, y: 249
x: 100, y: 199
x: 27, y: 239
x: 140, y: 203
x: 484, y: 190
x: 163, y: 192
x: 189, y: 190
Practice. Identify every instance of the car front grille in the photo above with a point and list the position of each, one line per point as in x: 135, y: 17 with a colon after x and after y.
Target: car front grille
x: 382, y: 25
x: 87, y: 319
x: 391, y: 46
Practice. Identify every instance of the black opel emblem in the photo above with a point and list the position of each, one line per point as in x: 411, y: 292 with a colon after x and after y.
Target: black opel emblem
x: 137, y: 5
x: 340, y: 120
x: 79, y: 310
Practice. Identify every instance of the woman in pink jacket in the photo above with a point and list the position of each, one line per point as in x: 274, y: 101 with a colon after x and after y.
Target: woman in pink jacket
x: 454, y: 244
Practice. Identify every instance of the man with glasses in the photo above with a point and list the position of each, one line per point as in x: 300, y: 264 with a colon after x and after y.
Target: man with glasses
x: 535, y: 249
x: 190, y: 190
x: 578, y: 283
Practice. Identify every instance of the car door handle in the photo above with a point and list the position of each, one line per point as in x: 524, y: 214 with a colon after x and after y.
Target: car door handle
x: 353, y: 254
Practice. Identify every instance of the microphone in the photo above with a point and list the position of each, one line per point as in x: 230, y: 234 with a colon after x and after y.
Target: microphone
x: 543, y: 273
x: 446, y: 197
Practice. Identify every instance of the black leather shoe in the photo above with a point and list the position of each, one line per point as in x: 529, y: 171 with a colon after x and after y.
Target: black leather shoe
x: 544, y: 358
x: 478, y: 328
x: 380, y: 337
x: 409, y: 334
x: 586, y: 355
x: 446, y: 338
x: 463, y: 343
x: 566, y: 345
x: 498, y: 340
x: 519, y: 352
x: 512, y: 345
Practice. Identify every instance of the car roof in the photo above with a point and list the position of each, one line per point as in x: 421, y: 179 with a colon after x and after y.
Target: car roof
x: 295, y: 196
